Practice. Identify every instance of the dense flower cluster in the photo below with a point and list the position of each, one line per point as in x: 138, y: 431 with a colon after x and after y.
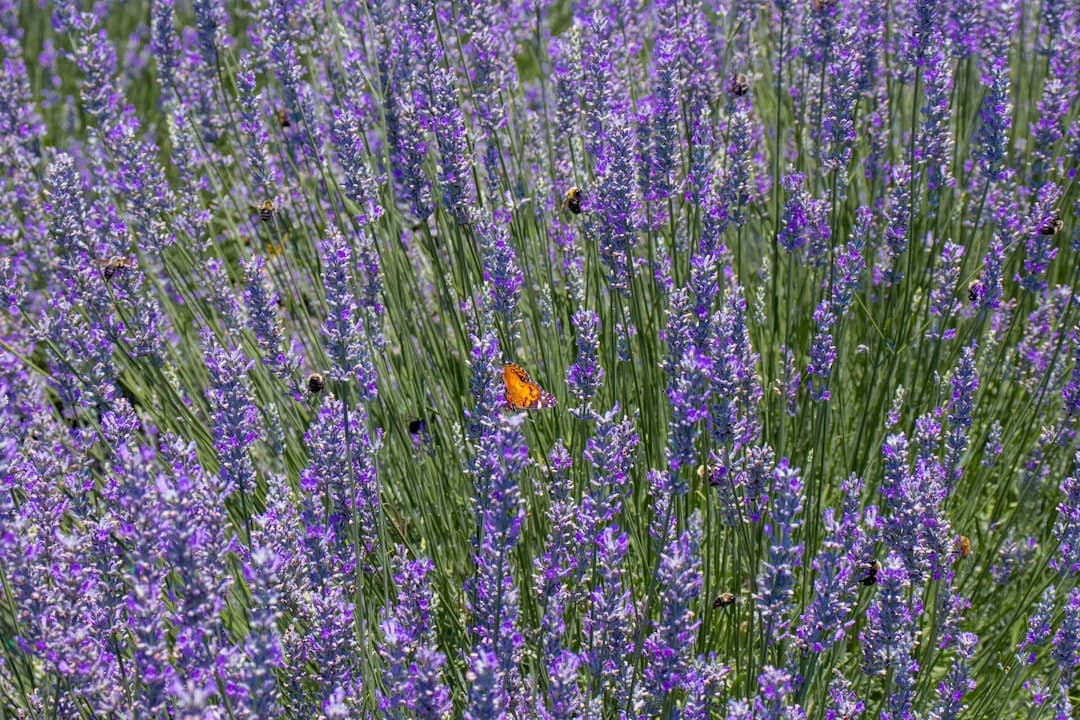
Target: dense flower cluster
x: 792, y: 297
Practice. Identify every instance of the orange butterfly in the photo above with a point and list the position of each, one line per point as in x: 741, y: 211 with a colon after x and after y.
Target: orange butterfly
x: 521, y: 392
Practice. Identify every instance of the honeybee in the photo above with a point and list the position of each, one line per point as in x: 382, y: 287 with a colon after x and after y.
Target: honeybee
x: 868, y: 572
x: 723, y: 600
x: 963, y: 545
x: 1052, y: 225
x: 111, y: 266
x: 738, y: 85
x: 283, y: 118
x: 315, y: 383
x: 266, y: 210
x: 572, y: 200
x: 822, y: 5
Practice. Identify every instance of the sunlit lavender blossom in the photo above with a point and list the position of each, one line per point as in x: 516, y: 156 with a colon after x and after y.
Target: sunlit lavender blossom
x: 888, y: 639
x: 586, y: 376
x: 413, y: 662
x: 965, y: 383
x: 777, y: 580
x: 995, y: 118
x: 347, y: 344
x: 236, y: 419
x: 1067, y: 528
x: 668, y: 647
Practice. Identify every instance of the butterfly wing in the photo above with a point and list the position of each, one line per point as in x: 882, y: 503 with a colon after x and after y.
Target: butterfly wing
x: 521, y: 392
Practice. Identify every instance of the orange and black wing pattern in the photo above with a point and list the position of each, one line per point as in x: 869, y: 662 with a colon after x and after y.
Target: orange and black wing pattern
x: 521, y: 392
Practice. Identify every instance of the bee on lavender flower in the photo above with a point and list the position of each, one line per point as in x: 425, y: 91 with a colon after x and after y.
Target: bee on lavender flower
x: 266, y: 210
x: 822, y: 5
x: 572, y: 200
x: 1052, y: 225
x: 963, y: 546
x: 112, y: 265
x: 868, y: 572
x: 283, y: 119
x: 315, y: 383
x: 738, y: 85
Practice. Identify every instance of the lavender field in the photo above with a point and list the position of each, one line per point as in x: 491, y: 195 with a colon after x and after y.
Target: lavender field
x: 540, y: 359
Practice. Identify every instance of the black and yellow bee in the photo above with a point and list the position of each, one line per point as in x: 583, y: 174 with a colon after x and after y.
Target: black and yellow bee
x: 112, y: 265
x: 868, y: 572
x: 1052, y: 226
x: 738, y: 85
x: 723, y: 600
x: 266, y: 210
x: 572, y: 200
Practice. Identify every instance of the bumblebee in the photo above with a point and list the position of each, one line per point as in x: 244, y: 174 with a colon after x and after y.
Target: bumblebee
x: 868, y: 572
x: 963, y: 545
x: 738, y: 85
x: 1052, y: 226
x: 572, y: 200
x: 266, y: 211
x: 111, y: 266
x: 723, y: 600
x: 283, y: 119
x: 315, y: 383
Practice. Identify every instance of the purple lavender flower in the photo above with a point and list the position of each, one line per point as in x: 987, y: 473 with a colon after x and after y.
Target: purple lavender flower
x: 995, y: 118
x: 501, y: 456
x: 735, y: 189
x: 669, y: 645
x: 486, y: 702
x: 1065, y: 647
x: 898, y: 215
x: 359, y: 184
x: 448, y: 124
x: 965, y: 383
x: 844, y: 704
x: 989, y: 293
x: 616, y: 219
x: 837, y: 122
x: 888, y: 639
x: 346, y: 341
x: 957, y: 683
x: 586, y: 376
x: 822, y: 354
x: 1058, y: 93
x: 501, y: 271
x: 826, y: 621
x: 609, y: 618
x: 261, y: 304
x: 805, y: 221
x: 235, y: 417
x: 612, y: 452
x: 688, y: 395
x: 943, y: 301
x: 1067, y: 528
x: 413, y: 663
x: 1041, y: 249
x: 773, y: 701
x: 777, y: 580
x: 1039, y: 626
x: 340, y: 482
